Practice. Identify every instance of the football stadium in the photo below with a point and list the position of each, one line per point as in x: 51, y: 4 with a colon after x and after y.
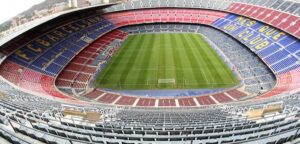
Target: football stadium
x: 153, y: 71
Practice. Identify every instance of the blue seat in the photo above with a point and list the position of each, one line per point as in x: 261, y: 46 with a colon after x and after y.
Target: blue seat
x: 49, y: 55
x: 40, y: 63
x: 287, y: 40
x: 61, y: 61
x: 68, y: 54
x: 284, y: 64
x: 267, y: 51
x: 294, y: 47
x: 53, y: 68
x: 279, y: 55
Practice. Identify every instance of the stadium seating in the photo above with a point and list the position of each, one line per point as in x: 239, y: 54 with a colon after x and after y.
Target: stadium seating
x: 236, y: 94
x: 80, y: 71
x: 283, y: 21
x: 254, y: 9
x: 281, y: 57
x: 30, y: 80
x: 80, y: 75
x: 146, y: 102
x: 50, y: 52
x: 205, y: 100
x: 69, y: 57
x: 186, y: 102
x: 214, y: 125
x: 164, y: 15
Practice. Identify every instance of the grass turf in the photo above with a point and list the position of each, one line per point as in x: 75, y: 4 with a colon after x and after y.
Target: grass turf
x: 143, y: 59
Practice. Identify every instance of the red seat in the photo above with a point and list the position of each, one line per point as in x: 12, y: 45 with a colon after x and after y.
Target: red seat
x: 293, y: 27
x: 166, y: 102
x: 126, y: 100
x: 221, y: 97
x: 108, y: 98
x: 236, y: 94
x: 186, y: 102
x: 67, y: 75
x: 205, y: 100
x: 258, y: 13
x: 146, y: 102
x: 94, y: 94
x: 280, y: 17
x: 247, y: 9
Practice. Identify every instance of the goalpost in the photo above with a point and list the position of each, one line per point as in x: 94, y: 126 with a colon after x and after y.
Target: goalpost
x: 166, y: 82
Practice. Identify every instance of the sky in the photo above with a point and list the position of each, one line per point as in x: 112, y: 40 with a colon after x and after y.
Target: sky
x: 11, y: 8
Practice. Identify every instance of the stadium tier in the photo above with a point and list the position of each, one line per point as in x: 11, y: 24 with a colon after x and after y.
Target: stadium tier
x: 76, y: 77
x: 68, y: 81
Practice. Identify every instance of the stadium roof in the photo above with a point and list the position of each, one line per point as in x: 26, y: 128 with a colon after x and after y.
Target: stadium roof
x: 30, y: 25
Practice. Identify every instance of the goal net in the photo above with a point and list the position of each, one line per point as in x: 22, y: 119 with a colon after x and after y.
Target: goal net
x: 166, y: 82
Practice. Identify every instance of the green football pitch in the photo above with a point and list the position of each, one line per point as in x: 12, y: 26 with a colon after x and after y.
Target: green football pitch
x: 165, y: 61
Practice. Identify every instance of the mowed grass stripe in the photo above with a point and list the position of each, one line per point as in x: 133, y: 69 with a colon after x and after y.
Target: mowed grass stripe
x: 146, y: 58
x: 171, y: 72
x: 130, y: 61
x: 176, y: 57
x: 162, y: 61
x: 193, y: 61
x: 187, y: 70
x: 169, y: 66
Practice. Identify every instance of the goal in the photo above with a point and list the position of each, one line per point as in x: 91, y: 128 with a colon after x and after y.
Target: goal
x: 166, y: 82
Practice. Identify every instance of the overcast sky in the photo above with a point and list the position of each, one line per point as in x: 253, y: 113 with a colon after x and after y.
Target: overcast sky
x: 11, y: 8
